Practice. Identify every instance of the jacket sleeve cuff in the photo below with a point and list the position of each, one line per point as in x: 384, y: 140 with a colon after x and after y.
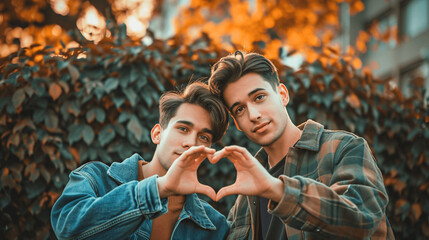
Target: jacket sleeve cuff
x: 150, y: 204
x: 288, y: 205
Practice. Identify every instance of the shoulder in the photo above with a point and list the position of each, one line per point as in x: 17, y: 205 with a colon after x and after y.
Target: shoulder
x: 338, y: 134
x: 341, y: 138
x: 92, y: 168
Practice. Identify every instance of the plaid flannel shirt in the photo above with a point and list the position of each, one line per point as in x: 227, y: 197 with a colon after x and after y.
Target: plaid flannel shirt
x: 333, y: 189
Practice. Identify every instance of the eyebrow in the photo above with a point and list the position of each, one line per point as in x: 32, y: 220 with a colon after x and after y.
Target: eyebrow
x: 249, y: 94
x: 206, y: 130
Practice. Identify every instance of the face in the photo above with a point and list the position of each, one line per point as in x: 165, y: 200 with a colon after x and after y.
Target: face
x: 191, y: 126
x: 258, y: 110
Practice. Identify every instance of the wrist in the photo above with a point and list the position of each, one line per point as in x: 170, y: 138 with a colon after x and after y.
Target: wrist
x: 163, y: 193
x: 276, y: 190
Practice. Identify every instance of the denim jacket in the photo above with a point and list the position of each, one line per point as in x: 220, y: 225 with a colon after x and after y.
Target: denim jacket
x: 102, y: 202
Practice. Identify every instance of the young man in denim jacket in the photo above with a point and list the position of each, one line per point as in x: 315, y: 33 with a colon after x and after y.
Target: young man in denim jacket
x: 135, y: 199
x: 306, y: 182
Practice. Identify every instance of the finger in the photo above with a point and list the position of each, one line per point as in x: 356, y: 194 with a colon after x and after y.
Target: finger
x: 243, y: 151
x: 207, y: 153
x: 206, y: 190
x: 195, y: 153
x: 237, y: 157
x: 218, y: 155
x: 226, y: 191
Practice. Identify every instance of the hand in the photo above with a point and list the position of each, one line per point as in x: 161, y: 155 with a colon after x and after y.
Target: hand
x: 252, y: 178
x: 181, y: 178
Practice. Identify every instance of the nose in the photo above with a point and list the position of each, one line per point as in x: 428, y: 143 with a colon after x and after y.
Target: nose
x: 254, y: 113
x: 189, y: 141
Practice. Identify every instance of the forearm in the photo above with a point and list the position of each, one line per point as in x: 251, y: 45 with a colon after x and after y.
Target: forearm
x: 79, y: 211
x: 337, y: 210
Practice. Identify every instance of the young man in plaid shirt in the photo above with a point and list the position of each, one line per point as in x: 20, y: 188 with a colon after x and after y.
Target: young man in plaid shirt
x: 306, y: 182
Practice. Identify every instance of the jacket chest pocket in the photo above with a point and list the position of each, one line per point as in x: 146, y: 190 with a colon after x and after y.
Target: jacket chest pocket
x: 239, y: 232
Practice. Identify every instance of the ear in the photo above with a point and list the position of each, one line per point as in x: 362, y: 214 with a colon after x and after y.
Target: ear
x: 156, y: 134
x: 284, y: 94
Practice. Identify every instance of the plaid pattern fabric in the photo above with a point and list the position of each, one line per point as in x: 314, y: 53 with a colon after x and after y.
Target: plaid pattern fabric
x: 333, y: 190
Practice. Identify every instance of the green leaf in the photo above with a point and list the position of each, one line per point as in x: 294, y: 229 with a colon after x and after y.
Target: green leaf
x: 26, y: 72
x: 327, y: 100
x: 38, y: 86
x: 88, y: 134
x: 111, y: 84
x: 11, y: 67
x: 75, y: 133
x: 4, y: 202
x: 60, y: 180
x: 104, y: 157
x: 29, y: 90
x: 74, y: 72
x: 12, y: 78
x: 124, y: 116
x: 101, y: 115
x: 118, y: 101
x: 51, y: 120
x: 45, y: 174
x: 90, y: 115
x: 3, y: 102
x: 135, y: 128
x: 131, y: 95
x: 92, y: 154
x: 73, y: 107
x: 306, y: 82
x: 61, y: 64
x: 96, y: 113
x: 34, y: 189
x: 120, y: 129
x: 18, y: 98
x: 147, y: 98
x: 328, y: 79
x: 106, y: 135
x: 413, y: 133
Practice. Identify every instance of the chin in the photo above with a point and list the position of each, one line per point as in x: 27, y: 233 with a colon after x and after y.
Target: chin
x: 263, y: 141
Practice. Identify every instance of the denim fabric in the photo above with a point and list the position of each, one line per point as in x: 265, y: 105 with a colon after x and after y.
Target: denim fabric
x: 102, y: 202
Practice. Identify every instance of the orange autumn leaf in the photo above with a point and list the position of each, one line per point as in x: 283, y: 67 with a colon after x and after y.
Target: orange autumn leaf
x: 357, y: 63
x: 416, y: 211
x: 357, y: 7
x: 353, y: 100
x: 75, y: 153
x: 55, y: 91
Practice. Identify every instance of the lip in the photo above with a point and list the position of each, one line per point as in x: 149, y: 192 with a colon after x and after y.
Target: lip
x: 260, y: 127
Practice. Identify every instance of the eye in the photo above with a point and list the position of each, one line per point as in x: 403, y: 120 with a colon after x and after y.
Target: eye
x: 259, y: 98
x: 182, y: 129
x: 238, y: 110
x: 205, y: 138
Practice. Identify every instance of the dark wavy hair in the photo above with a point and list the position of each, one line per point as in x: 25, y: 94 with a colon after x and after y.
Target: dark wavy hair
x: 197, y: 93
x: 232, y: 67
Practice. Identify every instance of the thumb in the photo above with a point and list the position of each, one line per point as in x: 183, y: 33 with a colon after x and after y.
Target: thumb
x: 225, y: 191
x: 206, y: 190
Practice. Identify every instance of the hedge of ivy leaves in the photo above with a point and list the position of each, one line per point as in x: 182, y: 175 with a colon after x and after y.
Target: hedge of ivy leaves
x: 59, y: 110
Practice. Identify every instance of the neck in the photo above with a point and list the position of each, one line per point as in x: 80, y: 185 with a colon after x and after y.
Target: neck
x: 153, y: 167
x: 277, y: 150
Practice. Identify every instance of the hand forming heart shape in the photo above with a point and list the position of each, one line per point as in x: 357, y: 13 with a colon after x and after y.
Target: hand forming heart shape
x: 252, y: 178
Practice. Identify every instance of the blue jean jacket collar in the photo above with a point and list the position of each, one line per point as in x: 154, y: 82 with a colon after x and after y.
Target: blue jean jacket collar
x: 127, y: 171
x: 195, y: 210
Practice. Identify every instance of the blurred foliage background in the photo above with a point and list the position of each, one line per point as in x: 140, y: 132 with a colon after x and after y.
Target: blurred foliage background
x: 80, y: 81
